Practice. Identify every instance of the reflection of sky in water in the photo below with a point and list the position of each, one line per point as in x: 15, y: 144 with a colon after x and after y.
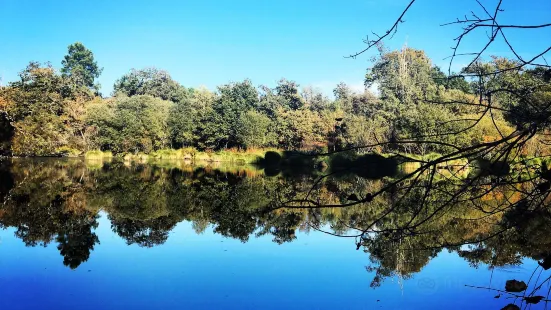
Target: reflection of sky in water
x: 191, y: 271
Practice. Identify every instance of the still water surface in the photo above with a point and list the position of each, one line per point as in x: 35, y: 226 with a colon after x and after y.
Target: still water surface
x: 82, y: 235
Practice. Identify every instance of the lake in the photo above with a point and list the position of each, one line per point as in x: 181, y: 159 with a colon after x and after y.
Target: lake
x: 82, y: 234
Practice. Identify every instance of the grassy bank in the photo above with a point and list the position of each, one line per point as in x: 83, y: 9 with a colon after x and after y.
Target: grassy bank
x: 274, y: 162
x: 190, y: 155
x: 98, y: 155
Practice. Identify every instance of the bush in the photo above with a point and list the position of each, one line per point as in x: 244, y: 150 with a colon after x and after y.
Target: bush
x: 98, y: 155
x: 66, y: 151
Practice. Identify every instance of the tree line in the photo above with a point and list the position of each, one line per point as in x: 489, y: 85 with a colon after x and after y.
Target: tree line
x: 51, y: 113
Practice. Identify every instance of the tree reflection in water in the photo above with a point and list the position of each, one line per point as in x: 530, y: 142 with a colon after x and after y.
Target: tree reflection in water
x: 484, y: 218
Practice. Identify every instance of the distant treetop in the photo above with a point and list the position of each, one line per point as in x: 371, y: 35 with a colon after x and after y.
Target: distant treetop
x: 79, y: 64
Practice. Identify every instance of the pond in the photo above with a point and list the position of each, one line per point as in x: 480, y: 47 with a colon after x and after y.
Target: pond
x: 111, y: 235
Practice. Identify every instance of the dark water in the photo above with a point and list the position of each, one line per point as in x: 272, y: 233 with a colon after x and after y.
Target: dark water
x: 93, y: 235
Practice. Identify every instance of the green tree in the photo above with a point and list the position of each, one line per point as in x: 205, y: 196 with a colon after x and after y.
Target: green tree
x: 222, y: 122
x: 315, y: 100
x: 409, y: 101
x: 255, y: 130
x: 450, y: 82
x: 342, y: 91
x: 182, y: 123
x: 522, y: 93
x: 360, y: 131
x: 45, y: 111
x: 150, y: 81
x: 131, y: 124
x: 289, y: 95
x: 403, y: 77
x: 301, y: 129
x: 80, y: 66
x: 269, y: 102
x: 189, y: 118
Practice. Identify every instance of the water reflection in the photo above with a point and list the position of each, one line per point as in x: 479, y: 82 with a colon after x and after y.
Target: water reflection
x: 59, y: 202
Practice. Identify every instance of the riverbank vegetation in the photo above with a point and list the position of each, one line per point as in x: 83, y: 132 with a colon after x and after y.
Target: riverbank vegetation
x: 61, y: 113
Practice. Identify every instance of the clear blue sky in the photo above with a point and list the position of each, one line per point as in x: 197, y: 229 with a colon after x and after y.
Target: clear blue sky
x: 213, y: 42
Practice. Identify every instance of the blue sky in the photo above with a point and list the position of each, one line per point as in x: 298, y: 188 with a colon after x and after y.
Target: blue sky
x: 213, y: 42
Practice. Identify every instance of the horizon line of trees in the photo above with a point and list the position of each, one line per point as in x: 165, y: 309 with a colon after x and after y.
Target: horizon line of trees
x: 51, y: 113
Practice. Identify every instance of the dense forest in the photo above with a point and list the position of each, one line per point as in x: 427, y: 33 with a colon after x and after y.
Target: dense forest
x: 61, y: 113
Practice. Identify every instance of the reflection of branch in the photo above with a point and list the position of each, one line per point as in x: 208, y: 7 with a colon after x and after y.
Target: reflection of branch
x: 410, y: 225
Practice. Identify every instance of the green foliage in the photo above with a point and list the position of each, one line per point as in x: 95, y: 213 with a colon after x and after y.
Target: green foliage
x: 528, y: 94
x: 420, y: 103
x: 97, y: 155
x: 403, y: 77
x: 255, y: 130
x: 358, y: 130
x: 365, y: 104
x: 222, y: 121
x: 189, y: 117
x: 46, y: 113
x: 39, y: 90
x: 131, y: 124
x: 150, y: 81
x: 39, y: 135
x: 289, y: 94
x: 182, y: 123
x: 79, y: 65
x: 315, y: 100
x: 294, y: 128
x: 453, y: 82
